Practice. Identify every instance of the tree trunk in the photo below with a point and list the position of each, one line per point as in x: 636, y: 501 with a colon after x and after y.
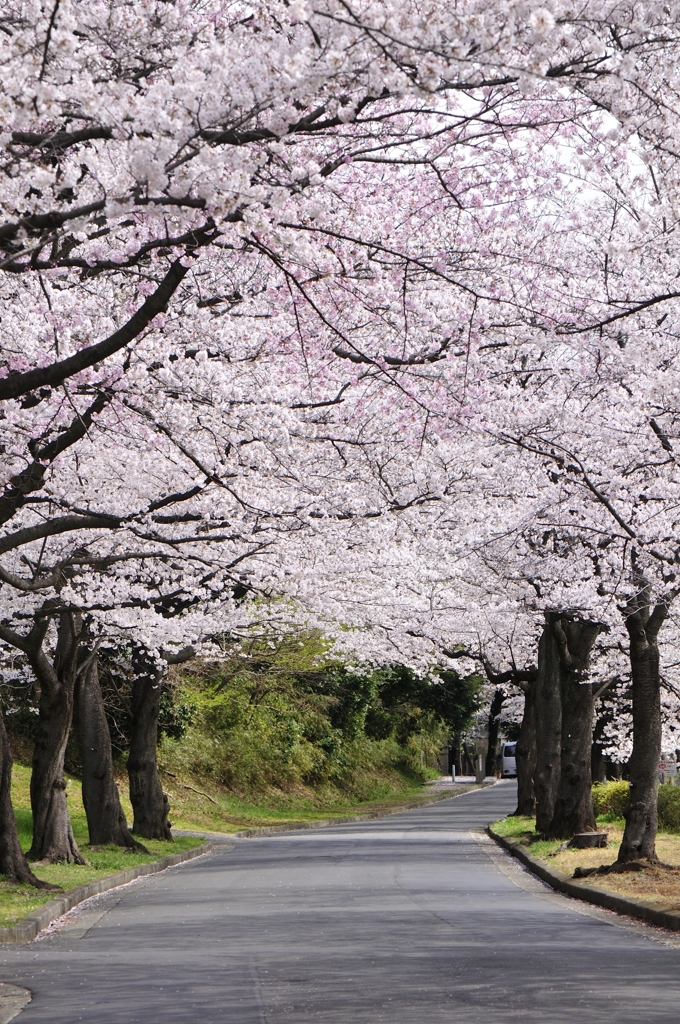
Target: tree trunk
x: 525, y: 755
x: 149, y: 802
x: 456, y: 754
x: 598, y: 763
x: 639, y: 837
x: 13, y: 863
x: 53, y: 839
x: 494, y: 712
x: 564, y: 723
x: 548, y: 725
x: 105, y: 819
x: 574, y: 801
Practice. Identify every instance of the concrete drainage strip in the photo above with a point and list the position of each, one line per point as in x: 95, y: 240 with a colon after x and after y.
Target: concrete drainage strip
x: 651, y: 912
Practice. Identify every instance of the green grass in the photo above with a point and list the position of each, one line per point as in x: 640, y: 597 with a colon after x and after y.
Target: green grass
x: 524, y: 828
x: 201, y: 802
x: 514, y: 827
x: 18, y: 900
x: 609, y: 802
x: 231, y: 813
x: 653, y: 884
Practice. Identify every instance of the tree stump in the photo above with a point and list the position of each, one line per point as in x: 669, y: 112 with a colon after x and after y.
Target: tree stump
x: 588, y: 840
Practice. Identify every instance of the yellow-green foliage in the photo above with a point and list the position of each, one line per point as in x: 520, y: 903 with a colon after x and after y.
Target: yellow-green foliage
x: 609, y: 802
x: 281, y: 715
x: 609, y: 799
x: 669, y: 808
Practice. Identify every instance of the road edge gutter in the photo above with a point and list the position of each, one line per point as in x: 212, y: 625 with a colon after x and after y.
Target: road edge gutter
x: 650, y: 912
x: 31, y: 925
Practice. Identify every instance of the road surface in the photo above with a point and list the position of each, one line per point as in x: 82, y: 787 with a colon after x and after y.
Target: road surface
x: 412, y: 919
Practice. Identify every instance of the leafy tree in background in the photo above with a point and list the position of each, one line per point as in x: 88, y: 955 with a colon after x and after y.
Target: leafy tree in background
x: 404, y: 699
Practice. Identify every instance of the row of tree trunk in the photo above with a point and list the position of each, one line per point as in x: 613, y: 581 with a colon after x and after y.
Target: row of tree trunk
x: 70, y: 695
x: 554, y: 749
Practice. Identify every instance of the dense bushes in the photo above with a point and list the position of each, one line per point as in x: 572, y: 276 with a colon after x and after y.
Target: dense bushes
x: 609, y: 800
x: 283, y: 715
x: 669, y: 808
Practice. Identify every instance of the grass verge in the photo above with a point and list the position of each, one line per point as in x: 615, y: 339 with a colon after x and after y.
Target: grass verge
x: 653, y: 884
x: 198, y: 805
x: 18, y: 900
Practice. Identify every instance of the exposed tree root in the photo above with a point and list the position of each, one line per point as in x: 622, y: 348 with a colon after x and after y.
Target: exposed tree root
x: 620, y: 869
x: 134, y: 847
x: 24, y: 876
x: 46, y: 861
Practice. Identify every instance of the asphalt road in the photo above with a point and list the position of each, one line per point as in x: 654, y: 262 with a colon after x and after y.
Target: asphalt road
x: 408, y: 920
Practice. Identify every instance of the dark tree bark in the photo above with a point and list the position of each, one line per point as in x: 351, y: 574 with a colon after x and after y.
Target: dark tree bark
x: 525, y: 679
x: 13, y: 862
x: 149, y: 802
x: 468, y: 760
x: 598, y: 762
x: 564, y: 725
x: 494, y: 712
x: 525, y: 751
x: 548, y: 711
x: 105, y: 818
x: 639, y: 837
x: 573, y: 811
x: 456, y: 754
x: 56, y: 373
x: 525, y: 754
x: 53, y: 839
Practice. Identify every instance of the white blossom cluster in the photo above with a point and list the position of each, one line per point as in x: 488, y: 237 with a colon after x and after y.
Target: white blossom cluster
x: 389, y: 293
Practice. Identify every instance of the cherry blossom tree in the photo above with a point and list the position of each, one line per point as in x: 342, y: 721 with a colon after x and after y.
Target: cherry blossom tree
x: 199, y: 201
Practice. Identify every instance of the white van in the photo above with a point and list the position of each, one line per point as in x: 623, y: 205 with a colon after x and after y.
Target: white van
x: 508, y: 763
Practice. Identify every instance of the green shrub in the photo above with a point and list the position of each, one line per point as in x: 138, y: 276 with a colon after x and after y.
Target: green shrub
x: 669, y: 808
x: 280, y: 713
x: 609, y: 799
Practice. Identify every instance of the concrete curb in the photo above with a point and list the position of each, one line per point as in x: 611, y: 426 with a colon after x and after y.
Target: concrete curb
x: 652, y: 912
x: 29, y: 926
x: 272, y: 830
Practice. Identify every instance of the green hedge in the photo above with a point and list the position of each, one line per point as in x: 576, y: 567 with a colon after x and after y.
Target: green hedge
x: 669, y: 808
x: 609, y: 799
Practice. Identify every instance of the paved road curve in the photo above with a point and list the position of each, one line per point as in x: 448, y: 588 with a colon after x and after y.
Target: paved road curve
x: 408, y: 920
